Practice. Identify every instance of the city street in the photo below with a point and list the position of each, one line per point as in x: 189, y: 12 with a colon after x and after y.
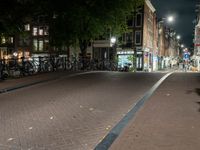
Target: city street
x: 76, y: 112
x: 100, y: 75
x: 72, y: 112
x: 169, y: 120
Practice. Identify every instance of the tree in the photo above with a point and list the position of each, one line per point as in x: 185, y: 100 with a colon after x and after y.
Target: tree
x: 69, y: 21
x: 87, y: 20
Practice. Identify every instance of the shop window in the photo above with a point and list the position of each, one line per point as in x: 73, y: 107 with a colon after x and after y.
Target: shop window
x: 35, y: 44
x: 41, y: 45
x: 46, y: 45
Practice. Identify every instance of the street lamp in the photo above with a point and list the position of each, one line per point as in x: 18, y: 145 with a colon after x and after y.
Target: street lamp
x: 113, y: 41
x: 15, y: 54
x: 170, y: 19
x: 182, y: 46
x: 178, y: 37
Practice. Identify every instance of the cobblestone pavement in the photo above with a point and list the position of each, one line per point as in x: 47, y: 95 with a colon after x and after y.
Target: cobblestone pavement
x: 70, y: 113
x: 10, y: 83
x: 169, y: 120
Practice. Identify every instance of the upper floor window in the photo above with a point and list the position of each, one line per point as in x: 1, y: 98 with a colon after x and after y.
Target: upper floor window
x: 138, y: 22
x: 41, y: 31
x: 129, y: 21
x: 35, y: 31
x: 46, y: 30
x: 138, y: 37
x: 3, y: 40
x: 27, y: 27
x: 129, y: 37
x: 11, y: 40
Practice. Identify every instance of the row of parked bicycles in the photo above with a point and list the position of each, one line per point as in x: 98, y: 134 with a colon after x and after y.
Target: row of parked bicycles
x: 16, y: 67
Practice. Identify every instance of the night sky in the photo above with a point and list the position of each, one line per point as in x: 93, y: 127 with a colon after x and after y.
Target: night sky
x: 184, y: 12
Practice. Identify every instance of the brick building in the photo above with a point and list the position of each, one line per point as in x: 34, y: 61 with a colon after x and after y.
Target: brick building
x: 140, y: 42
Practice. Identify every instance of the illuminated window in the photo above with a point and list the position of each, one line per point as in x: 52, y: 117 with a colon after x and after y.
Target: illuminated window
x: 46, y: 30
x: 3, y: 40
x: 35, y: 31
x: 46, y: 45
x: 41, y: 45
x: 27, y: 27
x: 35, y: 44
x: 41, y: 31
x: 11, y: 40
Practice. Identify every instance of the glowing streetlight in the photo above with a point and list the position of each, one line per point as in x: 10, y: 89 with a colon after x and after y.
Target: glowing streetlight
x: 113, y: 40
x: 182, y: 46
x: 170, y: 19
x: 15, y: 54
x: 178, y: 37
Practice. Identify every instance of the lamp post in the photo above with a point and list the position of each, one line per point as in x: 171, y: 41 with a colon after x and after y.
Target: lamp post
x: 113, y: 41
x: 161, y: 27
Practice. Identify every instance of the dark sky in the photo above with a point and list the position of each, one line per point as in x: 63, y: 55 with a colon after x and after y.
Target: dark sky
x: 184, y: 12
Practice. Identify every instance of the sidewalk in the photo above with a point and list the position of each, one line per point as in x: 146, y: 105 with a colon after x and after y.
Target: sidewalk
x: 169, y: 120
x: 5, y: 85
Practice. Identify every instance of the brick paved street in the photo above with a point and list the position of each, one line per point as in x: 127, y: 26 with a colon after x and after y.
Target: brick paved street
x: 72, y: 113
x: 169, y: 120
x: 10, y: 83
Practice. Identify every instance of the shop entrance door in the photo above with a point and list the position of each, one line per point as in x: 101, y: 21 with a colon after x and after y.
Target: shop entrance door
x: 139, y: 61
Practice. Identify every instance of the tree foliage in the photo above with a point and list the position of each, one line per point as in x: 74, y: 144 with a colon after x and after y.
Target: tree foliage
x: 69, y: 21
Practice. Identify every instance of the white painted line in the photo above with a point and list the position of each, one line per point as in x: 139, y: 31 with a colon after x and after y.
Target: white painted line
x: 115, y: 132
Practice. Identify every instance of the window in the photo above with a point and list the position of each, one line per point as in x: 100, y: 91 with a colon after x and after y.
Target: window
x: 35, y: 44
x: 11, y: 40
x: 46, y: 30
x: 3, y: 40
x: 46, y: 45
x: 27, y: 27
x: 137, y: 37
x: 129, y: 37
x: 41, y: 31
x: 35, y: 31
x: 129, y: 21
x: 138, y: 20
x: 124, y: 37
x: 41, y: 45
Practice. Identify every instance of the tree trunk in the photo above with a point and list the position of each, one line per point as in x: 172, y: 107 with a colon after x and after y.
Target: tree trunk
x: 83, y: 47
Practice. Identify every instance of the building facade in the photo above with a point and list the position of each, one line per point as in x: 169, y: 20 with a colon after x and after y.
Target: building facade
x: 138, y: 46
x: 196, y: 55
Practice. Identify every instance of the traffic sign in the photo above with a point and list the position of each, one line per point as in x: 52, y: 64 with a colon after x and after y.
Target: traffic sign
x: 186, y: 55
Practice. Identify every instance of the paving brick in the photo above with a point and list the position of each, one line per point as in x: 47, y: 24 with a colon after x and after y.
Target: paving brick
x: 169, y: 120
x: 69, y: 113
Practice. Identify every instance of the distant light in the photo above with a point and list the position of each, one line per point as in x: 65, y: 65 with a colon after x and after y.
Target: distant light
x: 15, y: 54
x: 182, y: 46
x: 113, y: 40
x: 170, y: 19
x: 178, y: 37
